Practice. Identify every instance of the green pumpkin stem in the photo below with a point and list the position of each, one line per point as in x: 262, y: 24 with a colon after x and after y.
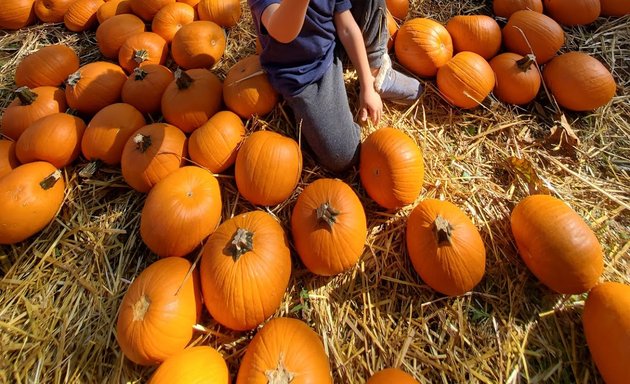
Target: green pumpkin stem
x: 26, y: 95
x: 140, y: 56
x: 50, y: 180
x: 143, y: 142
x: 326, y: 213
x: 442, y: 230
x: 74, y: 78
x: 182, y: 79
x: 280, y: 375
x: 526, y: 62
x: 139, y: 73
x: 242, y: 242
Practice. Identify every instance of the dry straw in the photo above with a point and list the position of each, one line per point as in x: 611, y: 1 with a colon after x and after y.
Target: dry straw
x: 60, y: 290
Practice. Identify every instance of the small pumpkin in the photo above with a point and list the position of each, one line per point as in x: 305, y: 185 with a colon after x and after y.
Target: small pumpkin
x: 532, y: 32
x: 50, y: 65
x: 606, y: 323
x: 505, y: 8
x: 556, y: 244
x: 517, y: 78
x: 112, y: 33
x: 199, y: 364
x: 112, y: 8
x: 268, y: 167
x: 200, y: 44
x: 284, y: 349
x: 235, y: 292
x: 158, y: 311
x: 579, y: 82
x: 476, y: 33
x: 81, y: 15
x: 573, y: 12
x: 147, y: 9
x: 8, y: 160
x: 226, y: 13
x: 29, y: 106
x: 422, y: 46
x: 141, y: 49
x: 16, y: 14
x: 30, y: 196
x: 615, y: 8
x: 94, y: 86
x: 445, y: 247
x: 171, y: 18
x: 398, y: 8
x: 214, y: 145
x: 390, y: 376
x: 145, y: 86
x: 329, y: 227
x: 51, y: 11
x: 247, y: 90
x: 465, y: 80
x: 392, y: 29
x: 391, y: 168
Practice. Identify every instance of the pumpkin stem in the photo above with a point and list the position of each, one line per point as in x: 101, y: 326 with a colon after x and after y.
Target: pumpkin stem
x: 326, y: 213
x: 74, y: 78
x: 526, y: 62
x: 140, y: 308
x: 50, y: 180
x: 442, y: 230
x: 139, y: 73
x: 140, y: 55
x: 182, y: 79
x: 90, y: 169
x: 241, y: 243
x: 280, y: 375
x: 143, y: 142
x: 26, y: 95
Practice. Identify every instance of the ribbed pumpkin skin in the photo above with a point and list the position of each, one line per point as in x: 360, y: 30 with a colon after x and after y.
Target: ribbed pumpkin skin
x: 193, y: 365
x: 328, y: 249
x: 26, y: 206
x: 16, y: 14
x: 543, y: 33
x: 215, y: 144
x: 517, y: 78
x: 131, y: 52
x: 145, y: 86
x: 164, y: 153
x: 505, y: 8
x: 107, y: 133
x: 55, y: 138
x: 556, y: 244
x: 579, y: 82
x: 187, y: 206
x: 158, y: 311
x: 422, y: 46
x: 95, y: 86
x: 112, y: 8
x: 573, y: 12
x: 391, y: 168
x: 398, y: 8
x: 452, y: 267
x: 147, y: 9
x: 171, y: 18
x: 247, y: 90
x: 285, y: 345
x: 241, y: 290
x: 81, y: 15
x: 391, y: 376
x: 18, y: 116
x: 226, y: 13
x: 606, y: 322
x: 8, y: 160
x: 476, y: 33
x: 615, y: 7
x: 466, y: 80
x: 51, y: 11
x: 112, y: 33
x: 200, y: 44
x: 268, y: 167
x: 48, y: 66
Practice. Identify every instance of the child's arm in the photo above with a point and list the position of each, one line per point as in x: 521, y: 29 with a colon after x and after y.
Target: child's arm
x: 352, y: 40
x: 284, y: 21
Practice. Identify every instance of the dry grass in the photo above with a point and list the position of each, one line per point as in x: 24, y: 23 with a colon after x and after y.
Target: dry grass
x: 60, y: 290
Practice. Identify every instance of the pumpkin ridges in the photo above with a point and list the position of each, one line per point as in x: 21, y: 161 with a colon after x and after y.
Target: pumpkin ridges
x: 171, y: 18
x: 48, y: 66
x: 573, y: 12
x: 517, y: 78
x: 18, y: 116
x: 51, y: 11
x: 214, y: 145
x: 465, y: 80
x: 112, y: 33
x: 528, y: 28
x: 94, y: 86
x: 422, y: 46
x: 200, y: 44
x: 81, y: 15
x: 145, y: 86
x: 112, y: 8
x: 16, y: 14
x: 141, y: 49
x: 226, y: 13
x: 193, y: 364
x: 247, y: 90
x: 476, y: 33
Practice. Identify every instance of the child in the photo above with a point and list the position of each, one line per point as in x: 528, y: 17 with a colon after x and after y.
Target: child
x: 299, y: 40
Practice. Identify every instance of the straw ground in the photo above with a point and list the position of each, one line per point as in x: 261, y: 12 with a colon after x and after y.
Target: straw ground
x: 60, y: 290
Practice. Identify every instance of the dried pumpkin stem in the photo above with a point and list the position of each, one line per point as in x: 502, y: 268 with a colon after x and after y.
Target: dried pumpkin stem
x: 526, y: 62
x: 280, y: 375
x: 90, y: 169
x: 140, y: 308
x: 326, y: 213
x: 26, y: 95
x: 50, y: 180
x: 442, y: 230
x: 140, y: 56
x: 74, y: 78
x: 143, y: 142
x: 139, y: 73
x: 242, y: 242
x: 182, y: 79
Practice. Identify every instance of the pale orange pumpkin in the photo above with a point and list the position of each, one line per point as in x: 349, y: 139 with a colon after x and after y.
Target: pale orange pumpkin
x: 200, y: 44
x: 8, y: 160
x: 247, y: 90
x: 422, y: 46
x: 532, y: 32
x: 465, y: 80
x: 476, y: 33
x: 215, y: 144
x: 171, y: 18
x: 199, y: 364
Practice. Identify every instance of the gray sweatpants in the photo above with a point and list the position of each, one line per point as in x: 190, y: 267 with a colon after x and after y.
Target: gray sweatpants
x: 322, y: 110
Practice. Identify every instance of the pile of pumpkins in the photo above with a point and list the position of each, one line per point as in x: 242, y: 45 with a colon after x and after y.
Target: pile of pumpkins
x: 245, y: 263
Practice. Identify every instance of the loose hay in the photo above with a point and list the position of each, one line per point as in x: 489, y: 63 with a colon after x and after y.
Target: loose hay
x: 60, y: 290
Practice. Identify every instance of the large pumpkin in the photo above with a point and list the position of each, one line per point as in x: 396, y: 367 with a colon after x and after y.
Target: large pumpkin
x: 391, y: 376
x: 50, y: 65
x: 476, y: 33
x: 8, y: 160
x: 422, y: 46
x: 329, y: 227
x: 141, y: 49
x: 30, y: 196
x: 445, y: 247
x: 226, y: 13
x: 465, y: 80
x: 81, y: 15
x: 199, y: 44
x: 505, y: 8
x: 145, y: 86
x: 171, y: 18
x: 615, y: 7
x: 247, y: 90
x: 606, y: 322
x: 51, y: 11
x: 200, y: 364
x: 517, y: 78
x: 556, y: 244
x: 532, y: 32
x: 215, y: 144
x: 16, y: 14
x: 245, y: 269
x: 391, y: 168
x: 268, y: 167
x: 95, y: 86
x: 112, y: 33
x: 112, y: 8
x: 157, y: 313
x: 180, y: 211
x: 579, y: 82
x: 573, y: 12
x: 285, y: 350
x: 147, y: 9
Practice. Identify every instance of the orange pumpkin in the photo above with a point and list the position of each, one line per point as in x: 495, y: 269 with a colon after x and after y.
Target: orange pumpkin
x: 81, y: 15
x: 199, y: 44
x: 391, y: 376
x: 152, y: 153
x: 188, y: 204
x: 391, y: 168
x: 171, y: 18
x: 476, y: 33
x: 226, y: 13
x: 247, y: 90
x: 200, y: 364
x: 147, y: 9
x: 54, y: 138
x: 284, y: 349
x: 606, y: 322
x: 145, y: 86
x: 445, y: 248
x: 112, y: 33
x: 142, y: 49
x: 573, y: 12
x: 214, y: 145
x: 16, y: 14
x: 532, y: 32
x: 112, y: 8
x: 30, y: 196
x: 109, y: 130
x: 50, y: 65
x: 192, y: 98
x: 192, y: 3
x: 505, y: 8
x: 51, y: 11
x: 465, y: 80
x: 517, y: 78
x: 95, y: 86
x: 29, y: 106
x: 329, y: 227
x: 392, y: 29
x: 235, y: 292
x: 268, y: 167
x: 157, y: 313
x: 616, y: 8
x: 422, y: 46
x: 579, y: 82
x: 556, y: 244
x: 398, y: 8
x: 8, y: 160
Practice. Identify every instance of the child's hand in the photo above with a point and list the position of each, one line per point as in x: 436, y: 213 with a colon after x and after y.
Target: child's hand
x: 371, y: 106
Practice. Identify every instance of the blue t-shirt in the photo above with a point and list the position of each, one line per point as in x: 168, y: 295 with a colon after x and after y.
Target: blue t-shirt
x: 292, y: 66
